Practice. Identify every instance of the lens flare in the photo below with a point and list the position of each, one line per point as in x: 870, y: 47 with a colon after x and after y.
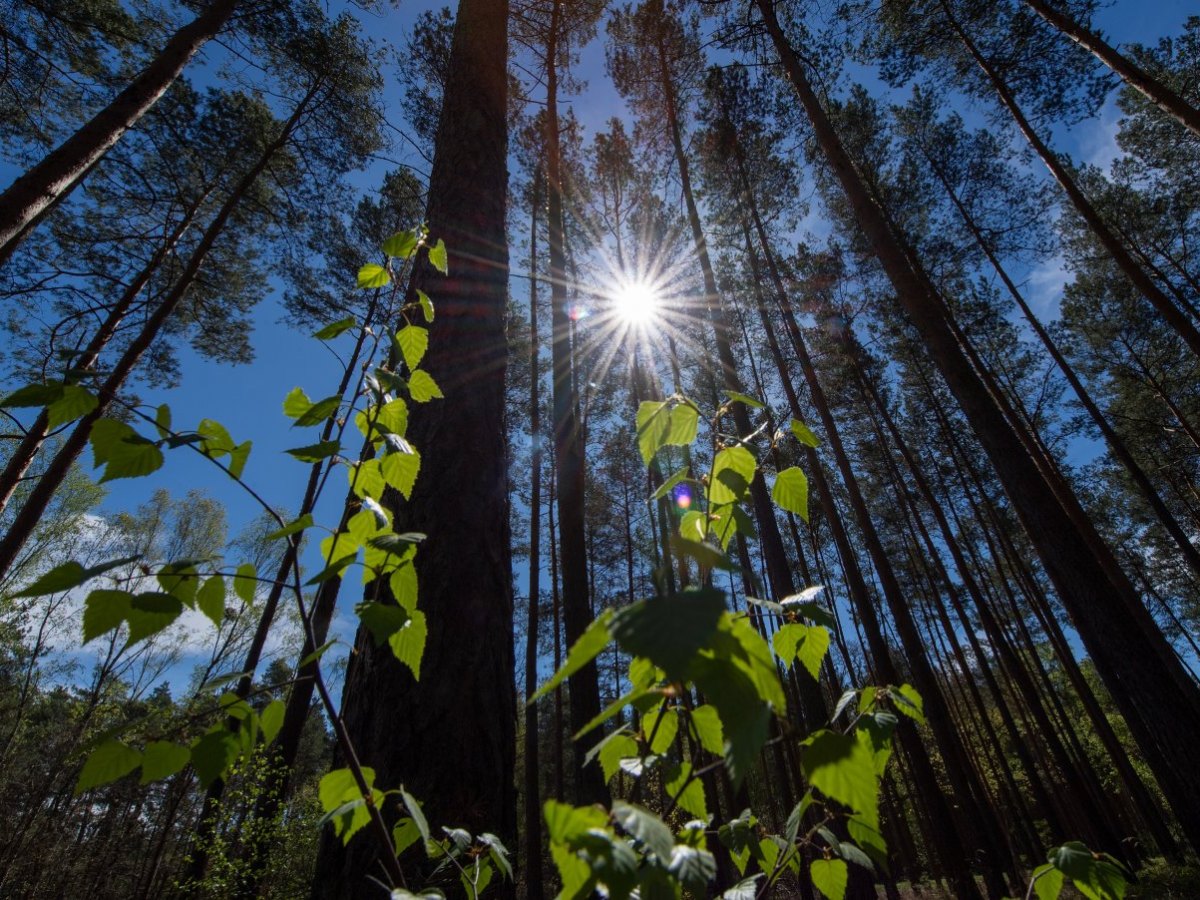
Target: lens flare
x: 683, y: 496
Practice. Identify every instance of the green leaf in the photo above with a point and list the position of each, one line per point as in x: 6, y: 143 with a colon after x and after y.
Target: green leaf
x: 422, y: 387
x: 318, y: 412
x: 108, y: 762
x: 790, y: 492
x: 213, y: 754
x: 804, y: 434
x: 373, y: 275
x: 237, y: 458
x: 707, y: 723
x: 1047, y: 882
x: 151, y: 613
x: 122, y: 451
x: 744, y: 715
x: 270, y: 720
x: 343, y: 802
x: 841, y: 768
x: 908, y: 701
x: 664, y: 727
x: 746, y: 889
x: 612, y: 709
x: 333, y: 329
x: 408, y: 643
x: 412, y: 341
x: 104, y: 611
x: 692, y: 797
x: 684, y: 423
x: 739, y: 462
x: 808, y: 643
x: 653, y: 428
x: 316, y: 654
x: 74, y: 403
x: 401, y: 244
x: 829, y: 876
x: 333, y: 570
x: 582, y: 652
x: 666, y: 486
x: 1092, y: 874
x: 315, y: 452
x: 400, y: 470
x: 437, y: 257
x: 566, y: 824
x: 33, y: 395
x: 744, y: 398
x: 381, y: 620
x: 245, y: 583
x: 162, y: 421
x: 669, y: 631
x: 705, y: 555
x: 162, y: 759
x: 692, y: 866
x: 296, y: 403
x: 646, y: 827
x: 305, y: 521
x: 68, y: 575
x: 426, y: 306
x: 211, y: 599
x: 613, y: 749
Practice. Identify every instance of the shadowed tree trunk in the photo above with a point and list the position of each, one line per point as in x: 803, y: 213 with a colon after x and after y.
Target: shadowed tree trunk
x: 43, y: 187
x: 1131, y: 73
x: 451, y: 737
x: 1151, y: 689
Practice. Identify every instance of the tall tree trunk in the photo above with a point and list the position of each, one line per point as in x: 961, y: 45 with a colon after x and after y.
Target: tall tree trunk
x: 39, y: 498
x: 43, y: 187
x: 1131, y: 73
x: 947, y: 845
x: 779, y: 574
x: 22, y: 457
x: 533, y: 807
x: 460, y: 767
x: 1163, y: 715
x: 1185, y: 327
x: 584, y: 697
x: 1115, y: 443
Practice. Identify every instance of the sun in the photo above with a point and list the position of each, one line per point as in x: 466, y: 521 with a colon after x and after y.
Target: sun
x: 636, y: 303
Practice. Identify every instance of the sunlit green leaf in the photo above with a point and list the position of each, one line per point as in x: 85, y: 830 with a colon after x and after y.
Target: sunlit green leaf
x: 829, y: 876
x: 373, y: 275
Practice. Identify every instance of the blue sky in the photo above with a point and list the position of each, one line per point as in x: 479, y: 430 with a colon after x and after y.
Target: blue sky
x: 247, y: 399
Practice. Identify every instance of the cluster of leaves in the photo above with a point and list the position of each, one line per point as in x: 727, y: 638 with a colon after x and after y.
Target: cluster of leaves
x: 690, y: 641
x: 475, y: 858
x: 386, y: 462
x: 1097, y: 876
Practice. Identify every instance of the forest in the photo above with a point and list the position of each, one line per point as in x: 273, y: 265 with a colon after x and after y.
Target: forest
x: 645, y: 449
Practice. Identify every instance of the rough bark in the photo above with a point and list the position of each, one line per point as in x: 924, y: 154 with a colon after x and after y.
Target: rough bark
x: 450, y: 738
x: 43, y: 187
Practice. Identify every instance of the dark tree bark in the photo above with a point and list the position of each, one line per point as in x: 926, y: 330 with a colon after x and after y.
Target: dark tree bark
x: 1152, y: 690
x: 533, y: 807
x: 451, y: 737
x: 43, y: 187
x: 1184, y: 326
x: 1131, y: 73
x: 584, y: 697
x: 40, y: 496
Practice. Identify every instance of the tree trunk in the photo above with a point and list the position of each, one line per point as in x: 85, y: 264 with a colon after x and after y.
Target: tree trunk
x: 1163, y: 715
x: 43, y: 187
x: 451, y: 737
x: 1132, y: 74
x: 39, y: 498
x: 533, y: 808
x: 1185, y: 327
